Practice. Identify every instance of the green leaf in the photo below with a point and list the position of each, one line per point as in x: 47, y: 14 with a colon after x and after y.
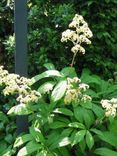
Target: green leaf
x: 52, y: 138
x: 66, y: 132
x: 105, y: 152
x: 20, y: 109
x: 86, y: 77
x: 69, y: 71
x: 64, y: 111
x: 92, y: 93
x: 82, y: 145
x: 98, y: 110
x: 49, y: 73
x: 46, y: 87
x: 8, y: 138
x: 49, y: 66
x: 63, y: 119
x: 3, y: 117
x: 64, y: 151
x: 109, y: 137
x: 29, y: 149
x: 79, y: 136
x: 89, y: 140
x: 113, y: 127
x: 64, y: 142
x: 60, y: 142
x: 84, y: 115
x: 90, y: 3
x: 3, y: 146
x: 42, y: 153
x: 96, y: 131
x: 57, y: 124
x: 37, y: 135
x: 59, y: 91
x: 88, y: 117
x: 22, y: 139
x: 87, y: 105
x: 8, y: 151
x: 78, y: 113
x: 76, y: 125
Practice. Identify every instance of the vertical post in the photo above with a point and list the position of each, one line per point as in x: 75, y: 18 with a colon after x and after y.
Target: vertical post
x: 20, y: 26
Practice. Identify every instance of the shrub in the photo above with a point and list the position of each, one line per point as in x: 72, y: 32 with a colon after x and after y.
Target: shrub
x: 67, y: 115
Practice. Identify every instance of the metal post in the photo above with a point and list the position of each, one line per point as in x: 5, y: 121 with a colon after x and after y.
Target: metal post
x: 20, y: 26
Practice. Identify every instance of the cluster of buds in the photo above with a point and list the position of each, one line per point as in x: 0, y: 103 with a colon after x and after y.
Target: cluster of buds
x: 79, y: 35
x: 75, y: 91
x: 13, y: 84
x: 110, y: 106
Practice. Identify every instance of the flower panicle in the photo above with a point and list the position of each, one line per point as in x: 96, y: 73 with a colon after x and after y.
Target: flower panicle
x: 21, y: 86
x: 110, y: 107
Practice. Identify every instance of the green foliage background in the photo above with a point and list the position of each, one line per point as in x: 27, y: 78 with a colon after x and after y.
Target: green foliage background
x: 47, y: 19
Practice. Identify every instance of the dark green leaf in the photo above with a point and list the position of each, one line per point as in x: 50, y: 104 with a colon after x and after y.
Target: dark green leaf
x: 8, y: 138
x: 3, y: 117
x: 57, y: 124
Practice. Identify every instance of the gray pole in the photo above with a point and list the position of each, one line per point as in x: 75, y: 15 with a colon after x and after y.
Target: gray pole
x: 20, y: 26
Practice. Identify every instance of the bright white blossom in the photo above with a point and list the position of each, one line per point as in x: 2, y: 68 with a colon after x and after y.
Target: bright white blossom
x: 20, y: 86
x: 110, y: 106
x: 75, y: 91
x: 83, y: 86
x: 79, y: 35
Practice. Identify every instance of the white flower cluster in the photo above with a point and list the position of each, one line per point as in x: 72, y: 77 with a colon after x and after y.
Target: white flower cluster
x: 14, y: 84
x: 75, y: 91
x: 79, y: 35
x: 110, y: 106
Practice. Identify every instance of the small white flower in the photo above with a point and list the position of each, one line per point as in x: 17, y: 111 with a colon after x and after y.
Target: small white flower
x: 110, y: 106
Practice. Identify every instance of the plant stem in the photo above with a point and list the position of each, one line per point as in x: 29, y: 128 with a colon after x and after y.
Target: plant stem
x: 73, y: 59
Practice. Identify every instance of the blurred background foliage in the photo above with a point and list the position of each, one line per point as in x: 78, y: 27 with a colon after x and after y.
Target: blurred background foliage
x: 47, y: 19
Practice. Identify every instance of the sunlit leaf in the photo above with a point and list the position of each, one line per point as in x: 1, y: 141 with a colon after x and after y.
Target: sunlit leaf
x: 89, y: 140
x: 49, y: 66
x: 20, y: 109
x: 59, y: 91
x: 29, y: 148
x: 22, y: 139
x: 64, y: 111
x: 49, y: 73
x: 79, y: 136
